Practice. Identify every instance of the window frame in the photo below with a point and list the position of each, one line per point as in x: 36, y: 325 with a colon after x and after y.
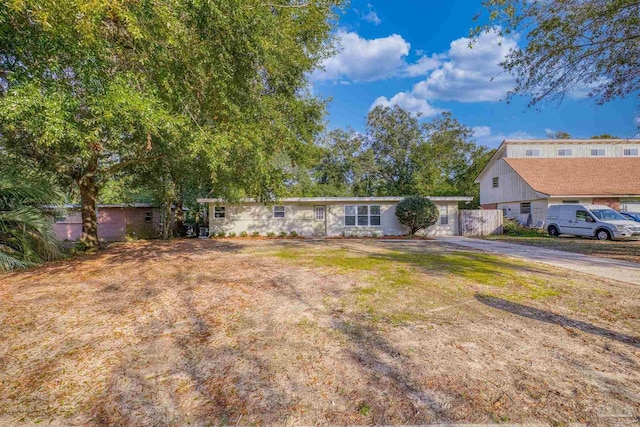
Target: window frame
x: 276, y: 212
x: 495, y: 182
x: 522, y: 205
x: 148, y: 217
x: 631, y: 152
x: 565, y: 152
x: 597, y: 151
x: 444, y: 217
x: 532, y: 152
x: 358, y: 215
x: 219, y: 214
x: 316, y: 210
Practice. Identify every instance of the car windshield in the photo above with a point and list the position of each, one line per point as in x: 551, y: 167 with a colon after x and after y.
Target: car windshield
x: 607, y: 214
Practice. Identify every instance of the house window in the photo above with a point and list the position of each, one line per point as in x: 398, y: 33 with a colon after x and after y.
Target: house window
x: 444, y: 215
x: 525, y: 208
x: 374, y: 217
x: 362, y: 215
x: 349, y: 215
x: 532, y: 153
x: 630, y: 151
x: 319, y: 213
x: 148, y: 216
x: 565, y: 152
x: 570, y: 202
x: 278, y: 211
x: 219, y: 212
x: 496, y: 181
x: 597, y: 152
x: 60, y: 218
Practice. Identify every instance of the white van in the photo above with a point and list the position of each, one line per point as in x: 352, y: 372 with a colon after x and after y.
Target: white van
x: 597, y: 221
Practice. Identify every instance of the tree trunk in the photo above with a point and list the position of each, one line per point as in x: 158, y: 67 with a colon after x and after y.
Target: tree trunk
x: 88, y: 196
x: 166, y: 221
x: 179, y: 219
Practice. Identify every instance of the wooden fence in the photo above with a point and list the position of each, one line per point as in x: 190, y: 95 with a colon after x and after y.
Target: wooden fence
x: 480, y: 222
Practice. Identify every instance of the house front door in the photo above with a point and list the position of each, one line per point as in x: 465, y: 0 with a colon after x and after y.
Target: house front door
x: 319, y: 221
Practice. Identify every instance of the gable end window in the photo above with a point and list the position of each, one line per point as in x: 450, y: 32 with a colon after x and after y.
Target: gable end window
x: 496, y: 181
x: 525, y: 208
x: 278, y: 211
x: 532, y: 153
x: 219, y: 212
x: 597, y: 152
x: 565, y: 152
x: 630, y: 152
x: 148, y: 216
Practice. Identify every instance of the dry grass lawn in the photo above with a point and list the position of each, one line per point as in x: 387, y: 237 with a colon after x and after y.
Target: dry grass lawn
x: 242, y: 331
x: 626, y: 250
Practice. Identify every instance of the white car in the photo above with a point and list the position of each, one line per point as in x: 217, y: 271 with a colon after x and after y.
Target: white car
x: 597, y: 221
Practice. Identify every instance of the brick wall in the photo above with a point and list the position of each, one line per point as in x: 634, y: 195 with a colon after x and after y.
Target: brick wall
x: 612, y: 202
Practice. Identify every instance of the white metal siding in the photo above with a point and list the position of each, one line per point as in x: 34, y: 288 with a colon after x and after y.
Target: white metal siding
x: 511, y: 187
x: 578, y: 150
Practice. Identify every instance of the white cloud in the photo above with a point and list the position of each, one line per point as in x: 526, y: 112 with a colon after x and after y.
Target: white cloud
x: 485, y: 136
x: 481, y: 131
x: 471, y: 74
x: 371, y: 16
x: 408, y: 102
x: 365, y: 60
x: 423, y: 65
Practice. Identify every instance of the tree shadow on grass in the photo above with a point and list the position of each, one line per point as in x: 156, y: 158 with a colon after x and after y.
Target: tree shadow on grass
x: 556, y: 319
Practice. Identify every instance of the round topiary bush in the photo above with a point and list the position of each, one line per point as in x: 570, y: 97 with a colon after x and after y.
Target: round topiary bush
x: 417, y: 213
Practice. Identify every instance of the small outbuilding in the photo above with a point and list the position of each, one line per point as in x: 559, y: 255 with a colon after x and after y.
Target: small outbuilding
x: 115, y: 221
x: 325, y: 216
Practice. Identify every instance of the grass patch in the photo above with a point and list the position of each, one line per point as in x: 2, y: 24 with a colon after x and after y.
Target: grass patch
x: 403, y: 286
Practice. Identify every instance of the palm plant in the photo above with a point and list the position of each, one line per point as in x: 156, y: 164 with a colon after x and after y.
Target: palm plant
x: 27, y: 235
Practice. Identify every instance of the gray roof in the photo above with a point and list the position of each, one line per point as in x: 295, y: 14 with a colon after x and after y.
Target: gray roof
x: 342, y: 199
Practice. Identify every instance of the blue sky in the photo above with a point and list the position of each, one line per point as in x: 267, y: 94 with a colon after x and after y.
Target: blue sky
x: 415, y: 53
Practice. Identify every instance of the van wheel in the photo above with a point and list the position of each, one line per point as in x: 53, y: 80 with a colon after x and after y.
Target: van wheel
x: 553, y: 231
x: 603, y: 235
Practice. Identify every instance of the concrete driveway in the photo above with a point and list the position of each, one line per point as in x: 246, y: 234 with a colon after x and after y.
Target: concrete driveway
x: 623, y: 271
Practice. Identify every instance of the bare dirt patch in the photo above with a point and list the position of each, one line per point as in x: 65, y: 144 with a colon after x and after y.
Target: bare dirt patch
x: 328, y: 332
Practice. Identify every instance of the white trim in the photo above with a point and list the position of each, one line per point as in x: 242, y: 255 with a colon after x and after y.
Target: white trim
x: 341, y: 199
x: 357, y: 215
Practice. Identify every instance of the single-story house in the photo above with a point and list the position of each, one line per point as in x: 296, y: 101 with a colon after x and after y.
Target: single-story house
x: 325, y: 216
x: 115, y: 221
x: 525, y: 177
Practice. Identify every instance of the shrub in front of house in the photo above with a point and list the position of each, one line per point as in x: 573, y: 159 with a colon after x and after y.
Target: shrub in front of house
x: 512, y: 227
x: 243, y: 234
x: 255, y: 234
x: 283, y: 234
x: 271, y: 234
x: 417, y: 213
x: 221, y: 234
x: 293, y: 233
x: 232, y: 234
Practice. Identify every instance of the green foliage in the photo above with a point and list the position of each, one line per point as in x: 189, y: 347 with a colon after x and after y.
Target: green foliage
x: 255, y: 234
x: 293, y: 233
x: 571, y: 45
x: 27, y: 235
x: 605, y: 136
x: 417, y: 213
x: 271, y: 234
x: 398, y: 155
x: 221, y: 234
x: 243, y: 234
x: 283, y: 234
x: 204, y: 95
x: 232, y: 234
x: 511, y: 227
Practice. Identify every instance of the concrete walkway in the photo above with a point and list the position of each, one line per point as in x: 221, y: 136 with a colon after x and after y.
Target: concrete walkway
x: 623, y: 271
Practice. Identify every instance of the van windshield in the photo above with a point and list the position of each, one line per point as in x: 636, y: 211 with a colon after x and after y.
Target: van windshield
x: 607, y: 214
